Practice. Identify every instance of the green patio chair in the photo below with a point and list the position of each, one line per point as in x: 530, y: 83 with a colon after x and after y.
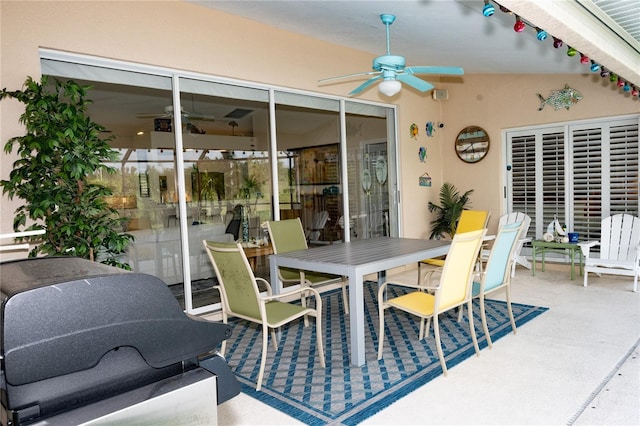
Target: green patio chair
x: 288, y: 235
x: 430, y: 300
x: 497, y: 273
x: 241, y: 298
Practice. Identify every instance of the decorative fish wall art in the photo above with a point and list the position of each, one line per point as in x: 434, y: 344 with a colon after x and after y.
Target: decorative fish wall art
x: 564, y: 98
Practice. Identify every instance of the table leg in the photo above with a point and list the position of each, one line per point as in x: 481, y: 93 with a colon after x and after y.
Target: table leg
x: 533, y: 262
x: 572, y: 253
x: 275, y: 281
x: 581, y: 260
x: 356, y: 317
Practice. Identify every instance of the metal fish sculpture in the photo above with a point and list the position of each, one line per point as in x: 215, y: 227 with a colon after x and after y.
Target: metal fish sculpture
x: 561, y: 98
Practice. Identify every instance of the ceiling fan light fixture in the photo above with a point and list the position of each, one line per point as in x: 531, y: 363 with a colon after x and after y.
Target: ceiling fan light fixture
x: 389, y: 87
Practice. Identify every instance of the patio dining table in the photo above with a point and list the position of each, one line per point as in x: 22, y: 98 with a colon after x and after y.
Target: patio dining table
x: 355, y: 259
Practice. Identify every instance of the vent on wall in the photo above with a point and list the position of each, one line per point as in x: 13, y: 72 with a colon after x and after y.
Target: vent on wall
x: 440, y: 95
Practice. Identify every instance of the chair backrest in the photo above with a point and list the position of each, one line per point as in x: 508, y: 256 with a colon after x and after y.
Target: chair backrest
x: 286, y: 235
x: 233, y: 227
x: 317, y: 224
x: 498, y: 266
x: 457, y: 273
x: 620, y: 237
x: 515, y: 217
x: 472, y: 220
x: 237, y: 283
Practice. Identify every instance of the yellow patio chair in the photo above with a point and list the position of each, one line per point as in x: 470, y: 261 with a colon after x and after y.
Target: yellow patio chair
x: 241, y: 298
x: 497, y: 273
x: 453, y: 290
x: 288, y: 235
x: 470, y: 220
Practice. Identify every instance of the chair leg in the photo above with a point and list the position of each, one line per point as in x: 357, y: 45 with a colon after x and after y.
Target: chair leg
x: 263, y: 361
x: 511, y: 318
x: 319, y: 338
x: 345, y: 295
x: 274, y: 339
x: 585, y: 278
x: 303, y: 302
x: 472, y: 328
x: 225, y: 320
x: 485, y: 327
x: 635, y: 283
x: 436, y: 331
x: 381, y: 330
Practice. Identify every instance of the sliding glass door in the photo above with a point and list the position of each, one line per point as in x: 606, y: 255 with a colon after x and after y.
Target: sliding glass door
x: 204, y: 159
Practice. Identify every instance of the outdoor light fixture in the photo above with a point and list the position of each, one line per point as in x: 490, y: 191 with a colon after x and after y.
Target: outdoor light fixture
x: 389, y: 87
x: 488, y: 9
x: 541, y: 34
x: 519, y: 26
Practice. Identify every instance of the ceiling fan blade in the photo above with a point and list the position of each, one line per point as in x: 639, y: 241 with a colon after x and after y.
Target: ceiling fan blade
x: 365, y: 85
x: 414, y: 82
x: 152, y: 115
x: 324, y: 80
x: 199, y: 117
x: 434, y: 70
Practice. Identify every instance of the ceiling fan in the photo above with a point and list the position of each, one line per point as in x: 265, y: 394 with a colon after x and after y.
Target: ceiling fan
x: 390, y: 70
x: 186, y: 115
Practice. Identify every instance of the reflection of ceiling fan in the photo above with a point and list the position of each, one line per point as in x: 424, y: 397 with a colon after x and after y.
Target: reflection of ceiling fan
x: 390, y: 70
x: 186, y: 115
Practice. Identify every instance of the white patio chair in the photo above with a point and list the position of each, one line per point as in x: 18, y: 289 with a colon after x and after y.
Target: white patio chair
x: 619, y: 249
x: 518, y: 258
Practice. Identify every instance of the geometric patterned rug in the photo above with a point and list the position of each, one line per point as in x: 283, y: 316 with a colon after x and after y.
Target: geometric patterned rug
x: 342, y: 394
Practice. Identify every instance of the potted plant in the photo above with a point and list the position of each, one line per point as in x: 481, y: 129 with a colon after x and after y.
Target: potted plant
x: 54, y: 175
x: 449, y: 210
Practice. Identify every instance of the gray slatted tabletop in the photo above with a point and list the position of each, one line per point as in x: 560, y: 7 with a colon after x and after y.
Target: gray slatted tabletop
x: 356, y: 259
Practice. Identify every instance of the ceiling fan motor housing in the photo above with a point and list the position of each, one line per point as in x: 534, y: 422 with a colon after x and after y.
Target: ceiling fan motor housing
x: 389, y: 62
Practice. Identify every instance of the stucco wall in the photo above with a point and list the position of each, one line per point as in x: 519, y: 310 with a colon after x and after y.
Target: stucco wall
x: 188, y: 37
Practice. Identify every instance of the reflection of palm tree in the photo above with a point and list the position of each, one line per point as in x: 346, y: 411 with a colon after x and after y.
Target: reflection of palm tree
x: 250, y: 187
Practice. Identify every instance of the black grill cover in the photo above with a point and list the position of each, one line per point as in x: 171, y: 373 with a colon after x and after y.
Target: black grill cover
x: 75, y: 331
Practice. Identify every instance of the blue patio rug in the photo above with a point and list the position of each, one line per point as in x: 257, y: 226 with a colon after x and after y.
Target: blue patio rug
x: 343, y: 394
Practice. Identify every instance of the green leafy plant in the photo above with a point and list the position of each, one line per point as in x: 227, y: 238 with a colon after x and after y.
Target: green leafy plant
x: 58, y: 156
x: 449, y: 210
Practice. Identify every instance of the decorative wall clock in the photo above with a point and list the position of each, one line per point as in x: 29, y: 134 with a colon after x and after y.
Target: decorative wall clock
x: 472, y: 144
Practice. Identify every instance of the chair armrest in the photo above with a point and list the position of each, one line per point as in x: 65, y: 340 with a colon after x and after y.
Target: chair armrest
x: 586, y: 246
x: 289, y: 293
x: 266, y: 284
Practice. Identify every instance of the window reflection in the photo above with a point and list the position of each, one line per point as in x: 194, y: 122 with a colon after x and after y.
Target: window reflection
x: 226, y: 167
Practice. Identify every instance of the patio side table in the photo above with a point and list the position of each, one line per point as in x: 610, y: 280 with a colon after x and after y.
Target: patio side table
x: 571, y: 249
